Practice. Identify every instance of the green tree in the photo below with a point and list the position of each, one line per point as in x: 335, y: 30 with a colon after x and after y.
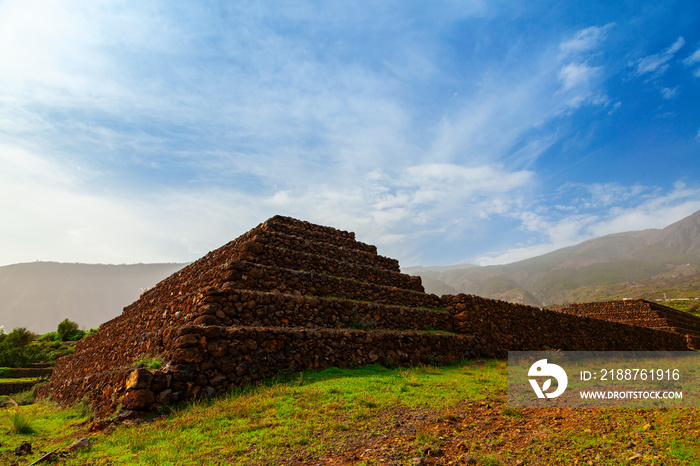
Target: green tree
x: 14, y: 348
x: 19, y: 337
x: 68, y: 331
x: 12, y: 356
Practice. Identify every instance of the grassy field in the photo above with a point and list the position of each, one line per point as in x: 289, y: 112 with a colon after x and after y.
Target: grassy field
x: 692, y: 307
x: 372, y: 415
x: 662, y: 287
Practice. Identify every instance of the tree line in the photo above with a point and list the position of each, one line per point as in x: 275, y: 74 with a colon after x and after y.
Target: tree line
x: 21, y: 347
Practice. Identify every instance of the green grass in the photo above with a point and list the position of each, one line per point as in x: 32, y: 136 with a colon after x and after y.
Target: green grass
x: 148, y: 361
x: 692, y: 307
x: 261, y: 423
x: 21, y: 424
x: 21, y: 379
x: 306, y: 415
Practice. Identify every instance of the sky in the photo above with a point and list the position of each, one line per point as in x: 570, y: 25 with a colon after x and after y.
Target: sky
x: 445, y: 132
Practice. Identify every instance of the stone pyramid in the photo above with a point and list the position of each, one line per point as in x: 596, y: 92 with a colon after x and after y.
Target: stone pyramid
x: 287, y: 295
x: 642, y: 313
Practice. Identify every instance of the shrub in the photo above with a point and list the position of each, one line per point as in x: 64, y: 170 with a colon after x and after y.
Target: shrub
x: 21, y: 424
x: 25, y: 398
x: 79, y: 335
x: 19, y: 337
x: 149, y: 362
x: 48, y: 337
x: 12, y: 356
x: 67, y: 330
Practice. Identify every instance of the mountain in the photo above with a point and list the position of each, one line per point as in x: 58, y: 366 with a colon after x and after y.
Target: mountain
x: 39, y: 295
x: 623, y: 265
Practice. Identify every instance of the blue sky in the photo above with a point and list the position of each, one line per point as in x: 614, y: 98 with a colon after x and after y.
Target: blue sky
x: 443, y: 132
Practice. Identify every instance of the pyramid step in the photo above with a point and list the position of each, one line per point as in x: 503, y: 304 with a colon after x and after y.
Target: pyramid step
x: 318, y: 233
x: 680, y: 330
x: 251, y: 276
x: 687, y: 320
x: 270, y: 255
x: 240, y: 353
x: 117, y: 344
x: 638, y: 312
x: 325, y: 249
x: 266, y: 309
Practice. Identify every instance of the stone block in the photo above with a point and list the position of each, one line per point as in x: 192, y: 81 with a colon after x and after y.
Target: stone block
x: 138, y: 400
x: 138, y: 379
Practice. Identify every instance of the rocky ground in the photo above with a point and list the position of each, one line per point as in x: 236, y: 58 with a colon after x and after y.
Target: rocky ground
x: 490, y: 433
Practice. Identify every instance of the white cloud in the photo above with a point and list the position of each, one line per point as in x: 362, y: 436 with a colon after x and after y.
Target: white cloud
x: 581, y: 82
x: 602, y: 195
x: 585, y: 40
x: 556, y: 234
x: 668, y: 93
x: 658, y: 63
x: 652, y: 213
x: 577, y: 75
x: 52, y: 214
x: 693, y: 60
x: 398, y: 210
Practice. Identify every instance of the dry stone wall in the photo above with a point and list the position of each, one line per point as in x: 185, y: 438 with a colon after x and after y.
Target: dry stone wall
x: 506, y: 326
x: 289, y: 295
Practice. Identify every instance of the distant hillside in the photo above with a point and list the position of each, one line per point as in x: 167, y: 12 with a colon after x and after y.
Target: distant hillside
x: 39, y: 295
x: 624, y: 265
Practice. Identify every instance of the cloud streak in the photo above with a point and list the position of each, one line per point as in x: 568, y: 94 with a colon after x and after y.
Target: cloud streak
x: 693, y: 61
x: 657, y: 64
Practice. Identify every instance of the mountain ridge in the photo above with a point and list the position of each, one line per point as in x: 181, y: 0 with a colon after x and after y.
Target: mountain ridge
x: 39, y: 295
x: 606, y: 261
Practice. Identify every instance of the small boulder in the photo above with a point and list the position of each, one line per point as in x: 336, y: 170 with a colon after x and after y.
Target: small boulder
x: 79, y: 445
x: 25, y: 448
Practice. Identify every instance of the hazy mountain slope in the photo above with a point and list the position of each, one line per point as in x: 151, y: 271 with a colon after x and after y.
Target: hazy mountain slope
x: 682, y: 236
x: 39, y: 295
x: 601, y: 262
